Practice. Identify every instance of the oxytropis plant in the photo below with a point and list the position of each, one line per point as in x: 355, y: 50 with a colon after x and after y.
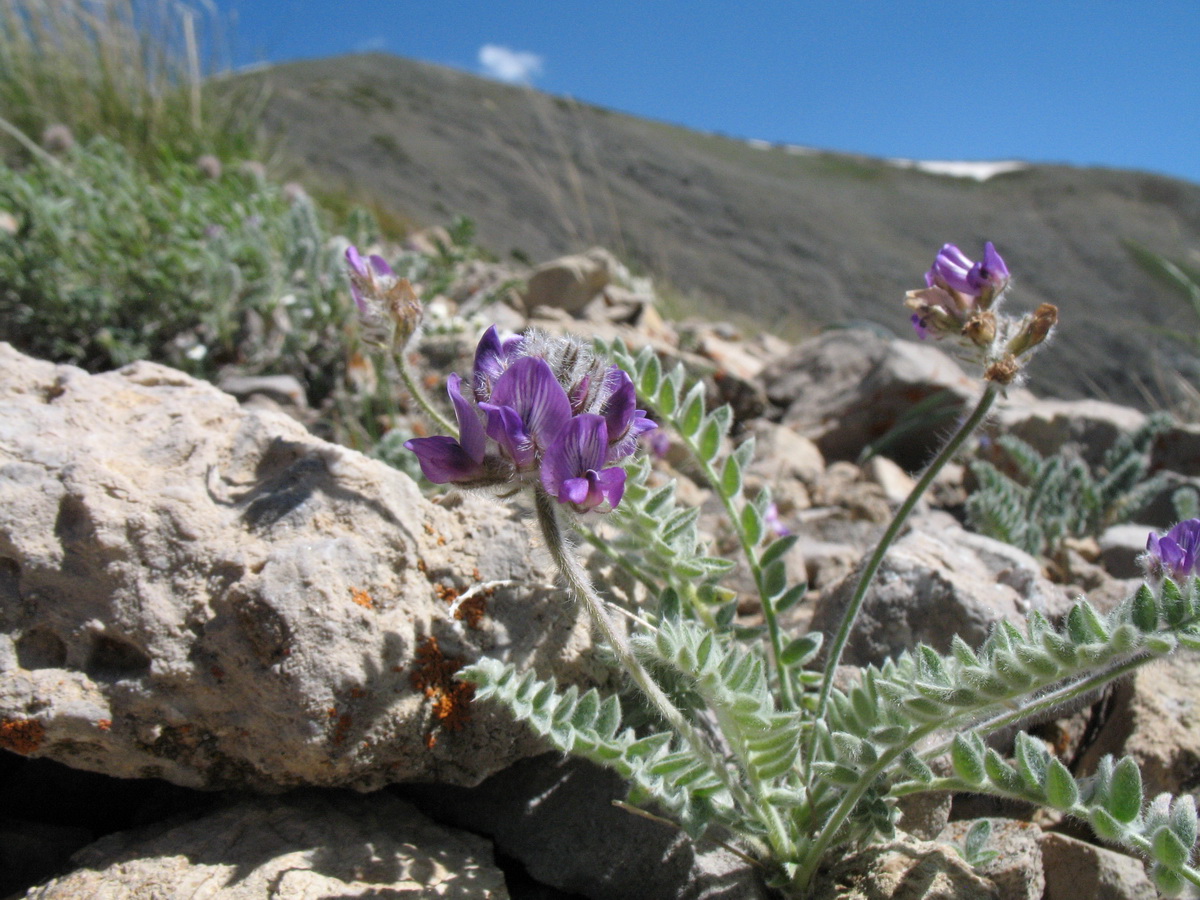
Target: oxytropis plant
x: 749, y: 741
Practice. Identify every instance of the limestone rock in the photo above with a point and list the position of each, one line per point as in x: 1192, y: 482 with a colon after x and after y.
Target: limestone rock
x: 194, y: 591
x: 556, y: 816
x: 1076, y: 869
x: 933, y: 584
x: 1046, y: 425
x: 904, y: 870
x: 1155, y: 719
x: 306, y: 847
x: 1017, y: 867
x: 1120, y: 548
x: 847, y: 388
x: 570, y: 282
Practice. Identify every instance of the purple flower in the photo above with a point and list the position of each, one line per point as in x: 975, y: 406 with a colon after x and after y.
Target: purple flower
x: 543, y: 412
x: 1174, y: 553
x: 958, y: 296
x: 950, y: 270
x: 388, y: 307
x: 571, y: 470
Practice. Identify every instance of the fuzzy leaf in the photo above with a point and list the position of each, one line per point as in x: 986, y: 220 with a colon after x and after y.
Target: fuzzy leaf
x: 777, y: 549
x: 709, y: 443
x: 692, y: 416
x: 967, y: 760
x: 1144, y: 609
x: 1061, y: 790
x: 802, y: 649
x: 1124, y: 798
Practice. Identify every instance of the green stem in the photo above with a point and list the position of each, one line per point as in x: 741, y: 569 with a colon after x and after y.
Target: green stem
x: 1079, y: 811
x: 786, y: 697
x: 418, y: 394
x: 1056, y: 698
x: 838, y: 645
x: 581, y: 586
x: 815, y: 851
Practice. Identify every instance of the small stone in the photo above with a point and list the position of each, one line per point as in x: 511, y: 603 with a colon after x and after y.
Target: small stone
x: 305, y: 846
x: 1075, y: 869
x: 1017, y: 867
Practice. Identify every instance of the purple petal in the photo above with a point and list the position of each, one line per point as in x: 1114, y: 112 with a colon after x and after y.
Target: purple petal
x: 581, y: 445
x: 443, y: 459
x: 470, y: 429
x: 612, y: 485
x: 529, y: 387
x: 951, y: 268
x: 618, y: 410
x: 638, y: 426
x: 488, y: 363
x: 379, y: 264
x: 919, y: 325
x: 355, y: 261
x: 506, y: 428
x: 991, y: 272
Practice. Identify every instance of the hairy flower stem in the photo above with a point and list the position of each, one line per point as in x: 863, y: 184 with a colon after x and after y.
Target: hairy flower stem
x: 581, y: 586
x: 868, y: 575
x: 786, y: 696
x: 418, y: 394
x: 1060, y: 697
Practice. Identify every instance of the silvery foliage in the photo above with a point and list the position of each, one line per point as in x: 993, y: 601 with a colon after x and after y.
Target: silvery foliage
x: 1049, y: 499
x: 794, y: 787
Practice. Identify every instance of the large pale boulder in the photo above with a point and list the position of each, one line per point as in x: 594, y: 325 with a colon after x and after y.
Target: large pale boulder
x: 305, y: 847
x: 210, y: 595
x: 1091, y: 425
x: 845, y: 389
x: 570, y: 282
x: 934, y: 583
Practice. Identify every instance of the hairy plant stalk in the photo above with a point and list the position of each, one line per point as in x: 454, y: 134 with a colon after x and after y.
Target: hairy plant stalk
x: 418, y: 394
x: 787, y: 698
x: 838, y: 645
x: 815, y: 851
x: 1058, y: 697
x: 580, y: 584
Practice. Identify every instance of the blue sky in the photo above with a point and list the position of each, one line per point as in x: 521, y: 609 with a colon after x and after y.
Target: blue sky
x: 1101, y: 82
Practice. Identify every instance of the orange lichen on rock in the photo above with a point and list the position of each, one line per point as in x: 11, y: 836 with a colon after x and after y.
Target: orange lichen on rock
x: 362, y: 598
x: 434, y: 677
x: 22, y: 736
x: 104, y: 724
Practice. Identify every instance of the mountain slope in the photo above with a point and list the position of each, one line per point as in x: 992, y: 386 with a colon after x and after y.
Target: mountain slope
x: 791, y: 240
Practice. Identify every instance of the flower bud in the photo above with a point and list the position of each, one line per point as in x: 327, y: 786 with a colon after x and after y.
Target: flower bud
x: 388, y: 307
x: 1034, y: 329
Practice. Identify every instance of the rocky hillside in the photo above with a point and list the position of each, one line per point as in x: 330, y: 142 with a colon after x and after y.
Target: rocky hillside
x: 788, y: 239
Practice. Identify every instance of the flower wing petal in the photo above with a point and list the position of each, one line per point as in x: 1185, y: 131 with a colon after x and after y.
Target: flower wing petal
x: 443, y: 459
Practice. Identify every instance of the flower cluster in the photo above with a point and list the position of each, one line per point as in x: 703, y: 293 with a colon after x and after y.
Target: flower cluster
x: 541, y: 411
x: 387, y: 305
x: 960, y: 299
x: 1175, y: 553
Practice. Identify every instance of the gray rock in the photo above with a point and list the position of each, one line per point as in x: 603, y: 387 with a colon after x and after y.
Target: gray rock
x: 782, y: 453
x: 1075, y: 869
x: 1120, y: 548
x: 1178, y: 450
x: 924, y: 815
x: 557, y: 817
x: 904, y: 870
x: 210, y: 595
x: 847, y: 388
x: 570, y: 282
x: 1091, y: 425
x: 934, y: 568
x: 306, y: 847
x: 1017, y: 867
x: 1155, y: 718
x: 286, y: 390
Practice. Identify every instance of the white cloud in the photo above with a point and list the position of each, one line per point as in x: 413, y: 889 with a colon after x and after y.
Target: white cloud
x: 506, y: 64
x: 371, y: 44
